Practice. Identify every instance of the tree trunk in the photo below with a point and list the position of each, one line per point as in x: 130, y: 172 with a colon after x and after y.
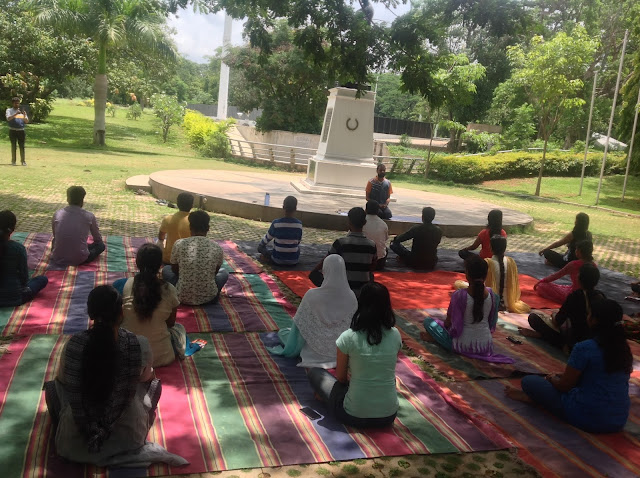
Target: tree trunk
x: 100, y: 98
x: 544, y: 157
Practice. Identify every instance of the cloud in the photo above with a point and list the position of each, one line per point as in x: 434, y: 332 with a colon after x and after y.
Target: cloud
x: 198, y: 35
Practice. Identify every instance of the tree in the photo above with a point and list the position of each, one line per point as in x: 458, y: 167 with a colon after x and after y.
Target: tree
x: 290, y: 89
x: 551, y: 72
x: 110, y: 24
x: 391, y: 100
x: 168, y: 110
x: 630, y: 96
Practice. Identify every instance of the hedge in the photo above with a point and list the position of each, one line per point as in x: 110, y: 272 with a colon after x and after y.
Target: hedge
x: 206, y: 135
x: 476, y: 169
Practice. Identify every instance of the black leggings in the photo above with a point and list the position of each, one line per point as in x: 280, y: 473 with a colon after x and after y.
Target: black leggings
x: 548, y: 334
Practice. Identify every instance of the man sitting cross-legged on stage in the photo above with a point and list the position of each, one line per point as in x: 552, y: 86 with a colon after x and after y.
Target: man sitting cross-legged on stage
x: 195, y: 264
x: 71, y: 227
x: 378, y: 231
x: 286, y: 234
x: 358, y: 252
x: 426, y: 237
x: 175, y: 226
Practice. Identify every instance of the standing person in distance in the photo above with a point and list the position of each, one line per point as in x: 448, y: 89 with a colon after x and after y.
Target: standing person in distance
x: 379, y: 189
x: 17, y: 118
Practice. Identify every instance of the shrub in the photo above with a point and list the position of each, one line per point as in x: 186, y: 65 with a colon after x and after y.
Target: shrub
x: 168, y: 110
x: 405, y: 140
x: 480, y: 142
x: 476, y: 169
x: 523, y: 128
x: 578, y: 146
x: 206, y: 135
x: 40, y: 109
x: 134, y: 111
x: 111, y: 109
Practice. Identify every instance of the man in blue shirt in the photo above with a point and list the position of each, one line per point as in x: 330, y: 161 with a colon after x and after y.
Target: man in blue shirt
x: 286, y: 234
x: 17, y: 118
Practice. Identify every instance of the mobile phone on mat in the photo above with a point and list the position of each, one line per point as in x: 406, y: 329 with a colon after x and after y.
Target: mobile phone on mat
x: 511, y: 338
x: 311, y: 413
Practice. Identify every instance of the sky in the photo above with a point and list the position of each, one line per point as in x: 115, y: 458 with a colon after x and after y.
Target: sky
x: 197, y: 35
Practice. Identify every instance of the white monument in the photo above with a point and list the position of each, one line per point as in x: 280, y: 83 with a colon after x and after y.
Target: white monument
x: 223, y: 91
x: 344, y: 161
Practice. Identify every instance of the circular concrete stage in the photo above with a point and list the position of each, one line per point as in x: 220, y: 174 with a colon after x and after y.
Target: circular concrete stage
x: 242, y: 194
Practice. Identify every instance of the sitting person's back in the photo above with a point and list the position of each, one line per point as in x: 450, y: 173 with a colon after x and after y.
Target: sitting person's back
x: 378, y: 231
x: 104, y: 397
x: 359, y: 252
x: 426, y: 238
x: 175, y: 226
x: 71, y: 227
x: 149, y: 307
x: 472, y: 317
x: 196, y: 264
x: 502, y: 277
x: 286, y: 234
x: 15, y: 286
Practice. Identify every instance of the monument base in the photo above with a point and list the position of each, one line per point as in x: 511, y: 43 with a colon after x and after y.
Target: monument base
x: 342, y: 174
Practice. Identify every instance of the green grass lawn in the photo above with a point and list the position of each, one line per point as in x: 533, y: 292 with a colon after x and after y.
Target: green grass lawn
x: 60, y: 153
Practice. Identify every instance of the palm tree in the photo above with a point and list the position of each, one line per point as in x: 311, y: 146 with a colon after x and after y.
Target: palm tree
x: 110, y: 24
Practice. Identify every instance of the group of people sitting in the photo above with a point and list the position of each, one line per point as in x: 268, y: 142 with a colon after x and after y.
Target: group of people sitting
x: 105, y: 394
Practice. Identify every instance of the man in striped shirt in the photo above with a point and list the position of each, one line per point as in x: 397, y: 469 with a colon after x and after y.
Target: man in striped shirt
x: 286, y: 234
x: 359, y: 253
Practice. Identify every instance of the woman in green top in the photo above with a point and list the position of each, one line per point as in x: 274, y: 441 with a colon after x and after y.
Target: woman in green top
x: 367, y: 351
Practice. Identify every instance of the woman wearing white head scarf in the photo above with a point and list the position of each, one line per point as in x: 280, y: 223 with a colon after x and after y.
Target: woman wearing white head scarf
x: 322, y: 316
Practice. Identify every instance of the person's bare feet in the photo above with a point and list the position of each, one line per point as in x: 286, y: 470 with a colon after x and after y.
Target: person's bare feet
x: 516, y: 394
x: 529, y: 333
x: 426, y: 337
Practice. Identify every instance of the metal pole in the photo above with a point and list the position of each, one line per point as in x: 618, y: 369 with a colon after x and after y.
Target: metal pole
x: 586, y: 146
x: 633, y: 137
x: 613, y: 111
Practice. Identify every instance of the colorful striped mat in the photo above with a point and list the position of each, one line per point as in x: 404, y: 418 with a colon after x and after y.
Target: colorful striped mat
x: 120, y: 254
x: 249, y: 302
x: 233, y: 405
x: 552, y: 447
x: 417, y: 290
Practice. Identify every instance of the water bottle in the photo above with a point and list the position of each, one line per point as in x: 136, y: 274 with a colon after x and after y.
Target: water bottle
x: 267, y: 199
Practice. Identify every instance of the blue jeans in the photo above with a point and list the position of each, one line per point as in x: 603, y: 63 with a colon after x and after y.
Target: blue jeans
x: 221, y: 279
x: 332, y: 392
x: 34, y: 285
x: 540, y: 390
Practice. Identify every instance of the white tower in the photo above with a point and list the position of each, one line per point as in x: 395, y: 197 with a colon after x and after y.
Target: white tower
x: 223, y: 90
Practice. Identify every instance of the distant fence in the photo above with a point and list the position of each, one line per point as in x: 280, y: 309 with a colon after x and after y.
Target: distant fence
x: 396, y: 126
x: 232, y: 111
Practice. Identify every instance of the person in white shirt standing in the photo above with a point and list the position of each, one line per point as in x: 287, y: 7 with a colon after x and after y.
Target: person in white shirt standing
x: 378, y: 231
x: 17, y: 118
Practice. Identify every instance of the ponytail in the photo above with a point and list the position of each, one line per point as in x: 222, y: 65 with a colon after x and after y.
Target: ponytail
x: 499, y: 246
x: 147, y: 287
x: 100, y: 356
x: 494, y: 222
x: 476, y: 269
x: 609, y: 333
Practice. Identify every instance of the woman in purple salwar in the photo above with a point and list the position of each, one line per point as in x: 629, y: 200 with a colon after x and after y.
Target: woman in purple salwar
x: 471, y: 318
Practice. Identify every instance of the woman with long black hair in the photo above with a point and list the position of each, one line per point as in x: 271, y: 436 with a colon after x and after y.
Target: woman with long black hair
x: 104, y: 397
x: 150, y: 305
x: 502, y: 277
x: 494, y: 227
x: 579, y: 233
x: 16, y: 287
x: 593, y: 392
x: 368, y: 352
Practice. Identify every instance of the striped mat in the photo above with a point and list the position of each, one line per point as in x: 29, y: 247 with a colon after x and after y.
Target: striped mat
x: 249, y: 302
x: 230, y: 406
x: 120, y: 254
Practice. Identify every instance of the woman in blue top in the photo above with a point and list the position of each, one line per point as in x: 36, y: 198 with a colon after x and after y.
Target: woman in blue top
x: 593, y: 392
x: 368, y: 351
x: 15, y: 286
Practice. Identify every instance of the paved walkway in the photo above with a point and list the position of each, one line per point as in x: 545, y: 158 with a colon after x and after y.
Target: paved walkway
x: 242, y: 194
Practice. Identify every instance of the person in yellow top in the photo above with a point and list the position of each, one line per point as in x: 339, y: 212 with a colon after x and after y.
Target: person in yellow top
x: 502, y: 277
x: 175, y: 226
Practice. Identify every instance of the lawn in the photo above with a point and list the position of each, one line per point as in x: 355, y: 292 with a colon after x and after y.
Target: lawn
x: 60, y: 153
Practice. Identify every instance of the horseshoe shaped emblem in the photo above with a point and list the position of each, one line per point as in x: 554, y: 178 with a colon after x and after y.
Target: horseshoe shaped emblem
x: 355, y: 127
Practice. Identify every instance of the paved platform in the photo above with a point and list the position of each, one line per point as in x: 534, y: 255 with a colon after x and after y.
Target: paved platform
x: 242, y: 194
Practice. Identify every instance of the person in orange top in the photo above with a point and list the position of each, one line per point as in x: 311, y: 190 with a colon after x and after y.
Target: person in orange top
x: 175, y: 226
x: 379, y: 189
